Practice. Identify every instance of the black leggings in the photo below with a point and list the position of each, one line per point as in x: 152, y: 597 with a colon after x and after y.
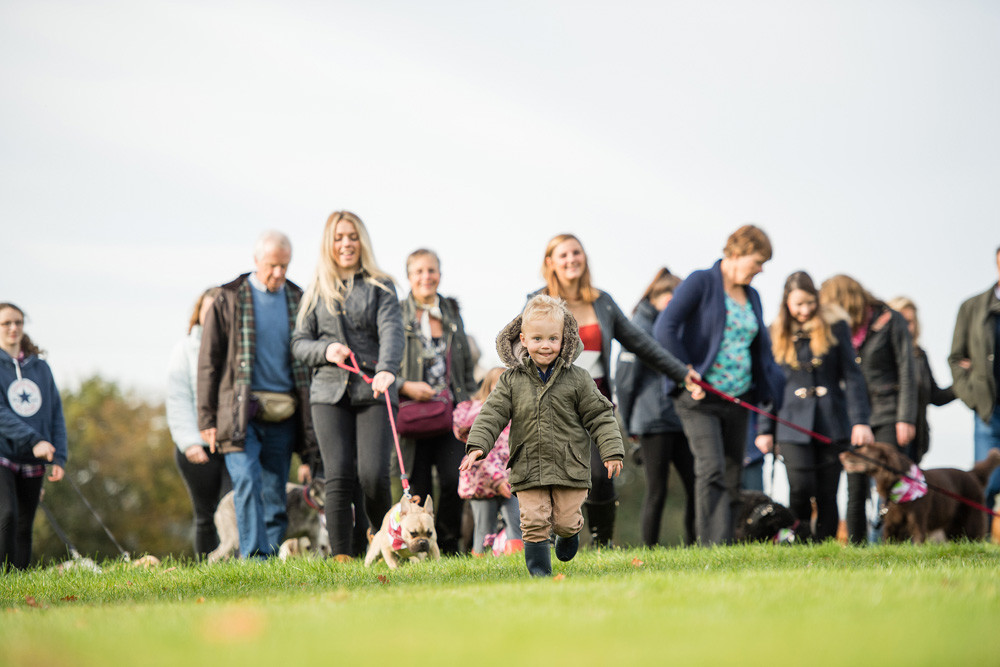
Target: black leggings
x: 443, y: 452
x: 658, y: 451
x: 355, y: 443
x: 859, y: 490
x: 814, y: 472
x: 206, y: 484
x: 19, y: 498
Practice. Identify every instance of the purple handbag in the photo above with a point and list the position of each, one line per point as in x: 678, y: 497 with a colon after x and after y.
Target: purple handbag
x: 425, y: 419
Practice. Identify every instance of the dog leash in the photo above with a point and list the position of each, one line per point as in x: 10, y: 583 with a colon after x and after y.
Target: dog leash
x: 125, y: 555
x: 60, y: 533
x: 853, y: 449
x: 403, y: 477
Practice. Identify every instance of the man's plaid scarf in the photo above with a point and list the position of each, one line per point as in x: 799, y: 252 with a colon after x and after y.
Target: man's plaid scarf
x: 248, y: 336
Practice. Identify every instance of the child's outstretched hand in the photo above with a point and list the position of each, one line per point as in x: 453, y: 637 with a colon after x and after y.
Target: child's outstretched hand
x: 614, y: 468
x: 469, y: 459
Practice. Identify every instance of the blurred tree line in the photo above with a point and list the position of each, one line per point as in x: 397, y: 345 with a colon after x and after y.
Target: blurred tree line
x: 121, y: 458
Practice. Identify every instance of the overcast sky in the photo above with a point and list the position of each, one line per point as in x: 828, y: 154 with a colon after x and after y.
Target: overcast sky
x: 145, y: 145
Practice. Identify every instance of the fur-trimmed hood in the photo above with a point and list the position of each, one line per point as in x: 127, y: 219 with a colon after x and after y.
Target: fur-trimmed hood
x: 514, y: 355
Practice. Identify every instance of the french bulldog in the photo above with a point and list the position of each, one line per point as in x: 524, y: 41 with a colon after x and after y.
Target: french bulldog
x: 407, y: 533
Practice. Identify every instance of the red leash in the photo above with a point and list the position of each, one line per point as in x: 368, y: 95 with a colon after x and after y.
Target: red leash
x: 403, y: 477
x: 824, y: 439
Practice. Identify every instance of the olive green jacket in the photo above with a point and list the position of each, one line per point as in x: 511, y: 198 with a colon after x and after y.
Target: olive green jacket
x: 552, y: 422
x: 975, y: 339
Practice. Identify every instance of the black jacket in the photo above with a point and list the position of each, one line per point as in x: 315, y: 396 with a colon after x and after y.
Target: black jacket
x: 834, y: 412
x: 887, y: 362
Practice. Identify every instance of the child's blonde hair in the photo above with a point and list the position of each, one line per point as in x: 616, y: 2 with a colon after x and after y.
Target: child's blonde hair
x: 543, y: 307
x: 489, y: 380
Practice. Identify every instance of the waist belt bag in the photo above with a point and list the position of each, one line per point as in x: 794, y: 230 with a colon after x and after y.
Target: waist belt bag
x: 274, y: 406
x: 424, y: 419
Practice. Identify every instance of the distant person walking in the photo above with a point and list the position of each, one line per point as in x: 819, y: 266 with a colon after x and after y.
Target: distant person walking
x: 928, y: 391
x: 650, y: 417
x: 975, y: 367
x: 715, y: 323
x: 252, y: 395
x: 884, y: 352
x: 32, y: 435
x: 824, y: 392
x: 203, y: 471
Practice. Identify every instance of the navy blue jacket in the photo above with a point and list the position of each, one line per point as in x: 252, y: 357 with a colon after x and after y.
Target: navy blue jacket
x: 692, y: 325
x: 644, y: 407
x: 18, y: 434
x: 834, y: 413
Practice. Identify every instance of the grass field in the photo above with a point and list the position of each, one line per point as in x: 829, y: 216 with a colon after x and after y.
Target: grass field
x: 759, y: 604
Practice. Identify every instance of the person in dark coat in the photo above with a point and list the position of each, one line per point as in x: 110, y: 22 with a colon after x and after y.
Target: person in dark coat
x: 928, y: 391
x: 824, y: 393
x: 884, y: 350
x: 715, y: 323
x: 649, y: 416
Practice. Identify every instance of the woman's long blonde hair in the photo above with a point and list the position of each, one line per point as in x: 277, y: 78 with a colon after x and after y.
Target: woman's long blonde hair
x: 552, y: 287
x: 486, y: 386
x: 785, y: 327
x: 326, y: 284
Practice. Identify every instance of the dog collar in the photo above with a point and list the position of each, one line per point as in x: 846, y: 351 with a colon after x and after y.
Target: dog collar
x: 910, y: 487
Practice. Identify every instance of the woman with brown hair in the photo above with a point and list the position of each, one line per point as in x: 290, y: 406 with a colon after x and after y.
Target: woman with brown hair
x: 649, y: 415
x: 204, y: 472
x: 715, y: 323
x: 32, y: 436
x: 812, y: 344
x: 567, y: 276
x: 884, y: 351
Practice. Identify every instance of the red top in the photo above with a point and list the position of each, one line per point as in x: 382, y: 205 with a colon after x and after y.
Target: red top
x: 591, y: 337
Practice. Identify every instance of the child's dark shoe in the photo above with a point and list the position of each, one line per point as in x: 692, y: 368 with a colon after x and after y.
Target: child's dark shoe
x: 566, y: 547
x: 537, y: 558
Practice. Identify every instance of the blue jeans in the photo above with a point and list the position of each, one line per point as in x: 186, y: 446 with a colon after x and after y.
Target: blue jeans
x: 259, y: 474
x: 987, y: 437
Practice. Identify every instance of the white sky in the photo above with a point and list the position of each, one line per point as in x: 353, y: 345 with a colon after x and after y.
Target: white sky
x: 145, y: 145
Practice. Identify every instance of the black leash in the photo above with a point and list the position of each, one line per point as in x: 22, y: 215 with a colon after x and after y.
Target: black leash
x: 125, y: 555
x: 57, y: 529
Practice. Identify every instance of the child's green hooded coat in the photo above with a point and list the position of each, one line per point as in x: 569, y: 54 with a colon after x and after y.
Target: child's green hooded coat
x: 551, y: 422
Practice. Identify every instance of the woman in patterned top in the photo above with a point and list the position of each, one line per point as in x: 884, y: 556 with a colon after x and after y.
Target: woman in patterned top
x: 567, y: 276
x: 715, y: 323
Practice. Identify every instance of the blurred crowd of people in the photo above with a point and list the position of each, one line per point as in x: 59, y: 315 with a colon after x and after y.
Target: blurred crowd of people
x: 262, y: 374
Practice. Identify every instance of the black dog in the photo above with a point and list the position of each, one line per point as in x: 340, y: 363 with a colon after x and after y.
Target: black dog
x: 761, y: 519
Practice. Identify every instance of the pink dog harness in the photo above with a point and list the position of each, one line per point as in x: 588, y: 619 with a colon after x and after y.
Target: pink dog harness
x: 910, y: 487
x: 396, y: 528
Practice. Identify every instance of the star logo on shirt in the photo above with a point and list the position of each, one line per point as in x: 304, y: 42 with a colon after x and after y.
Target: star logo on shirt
x: 25, y: 397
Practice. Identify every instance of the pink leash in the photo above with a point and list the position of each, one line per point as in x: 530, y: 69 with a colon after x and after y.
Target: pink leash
x: 824, y: 439
x: 403, y: 477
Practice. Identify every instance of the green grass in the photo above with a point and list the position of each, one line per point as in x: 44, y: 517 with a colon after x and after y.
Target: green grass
x: 890, y: 604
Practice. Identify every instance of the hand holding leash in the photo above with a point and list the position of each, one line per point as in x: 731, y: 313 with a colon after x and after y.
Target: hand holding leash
x: 614, y: 468
x: 44, y: 450
x: 861, y: 434
x: 381, y: 383
x: 337, y: 353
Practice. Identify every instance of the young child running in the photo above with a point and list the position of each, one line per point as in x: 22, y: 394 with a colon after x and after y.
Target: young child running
x: 485, y: 484
x: 554, y: 409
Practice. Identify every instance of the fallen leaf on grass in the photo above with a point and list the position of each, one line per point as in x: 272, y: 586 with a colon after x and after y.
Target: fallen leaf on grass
x: 383, y: 579
x: 559, y: 577
x: 69, y: 598
x: 31, y: 601
x: 637, y: 563
x: 200, y: 600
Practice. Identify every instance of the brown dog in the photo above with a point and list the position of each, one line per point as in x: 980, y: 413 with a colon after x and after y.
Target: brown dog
x: 914, y: 511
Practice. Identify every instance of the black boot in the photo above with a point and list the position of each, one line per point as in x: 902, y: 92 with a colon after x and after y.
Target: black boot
x: 601, y: 520
x: 538, y: 559
x: 566, y: 547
